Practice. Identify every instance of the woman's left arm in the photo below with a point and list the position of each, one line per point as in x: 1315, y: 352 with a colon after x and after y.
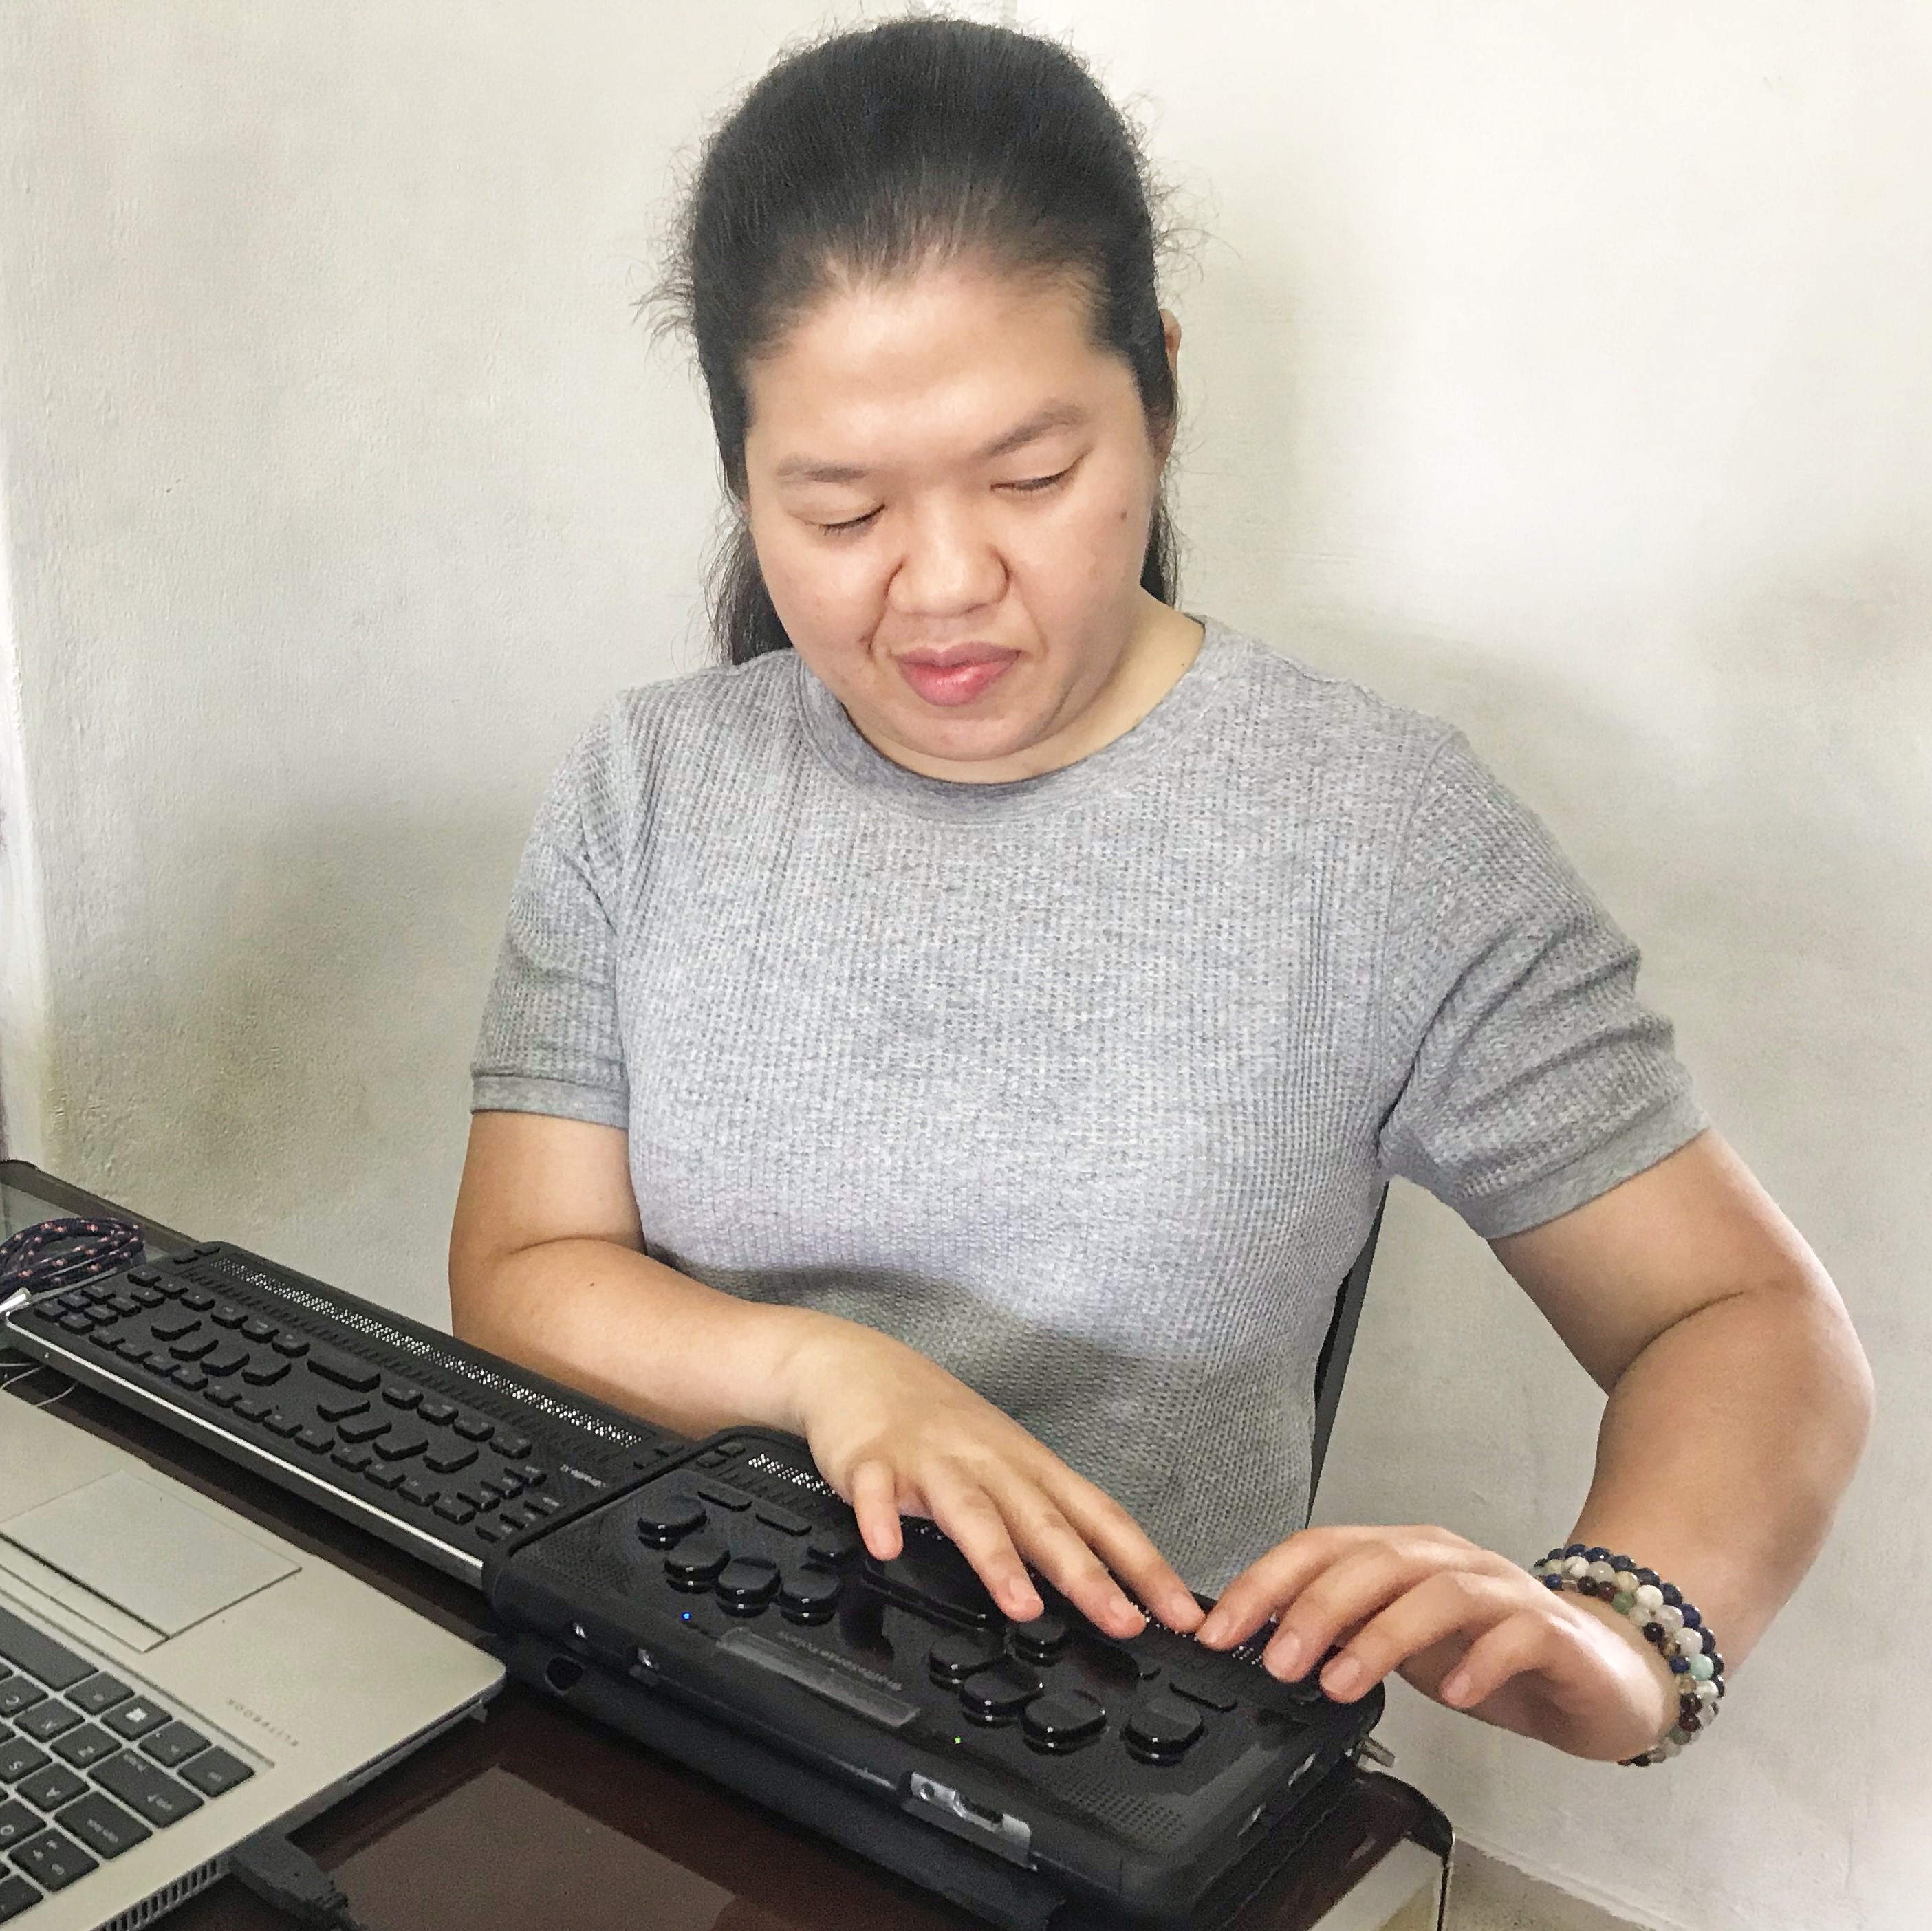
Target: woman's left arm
x: 1739, y: 1402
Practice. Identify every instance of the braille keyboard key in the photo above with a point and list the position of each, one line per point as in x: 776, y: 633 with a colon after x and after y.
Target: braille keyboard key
x: 1162, y: 1727
x: 931, y: 1573
x: 833, y: 1541
x: 545, y: 1505
x: 102, y: 1825
x: 471, y: 1500
x: 86, y: 1745
x: 279, y: 1421
x: 135, y: 1718
x: 98, y: 1693
x: 1064, y: 1721
x: 77, y: 1323
x: 17, y: 1824
x: 514, y: 1520
x: 159, y: 1365
x: 693, y: 1565
x: 662, y: 1518
x: 251, y: 1409
x: 315, y: 1441
x: 198, y: 1298
x: 534, y: 1477
x: 142, y: 1277
x: 711, y: 1458
x: 174, y: 1745
x: 150, y: 1793
x: 133, y: 1351
x: 453, y: 1509
x: 18, y: 1693
x: 398, y: 1447
x: 53, y: 1860
x: 292, y: 1345
x: 16, y: 1895
x: 511, y: 1447
x: 353, y: 1459
x: 415, y: 1491
x: 1200, y: 1690
x: 367, y: 1428
x: 106, y: 1337
x: 783, y: 1520
x: 46, y: 1721
x: 1042, y: 1639
x: 954, y: 1658
x: 746, y: 1585
x: 19, y: 1759
x: 998, y: 1693
x: 215, y: 1771
x: 23, y: 1646
x: 808, y: 1595
x: 222, y: 1398
x: 383, y: 1476
x: 194, y: 1347
x: 474, y: 1428
x: 725, y: 1496
x: 447, y: 1461
x: 507, y: 1484
x: 224, y: 1360
x: 228, y: 1315
x: 186, y: 1376
x: 149, y: 1297
x: 339, y: 1407
x: 490, y: 1532
x: 256, y: 1330
x: 49, y: 1789
x: 399, y: 1395
x: 264, y: 1371
x: 173, y: 1327
x: 435, y: 1410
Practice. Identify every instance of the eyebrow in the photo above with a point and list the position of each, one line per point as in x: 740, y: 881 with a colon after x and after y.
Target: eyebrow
x: 1042, y: 422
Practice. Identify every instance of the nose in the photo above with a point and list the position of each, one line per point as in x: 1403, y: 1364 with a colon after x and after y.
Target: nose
x: 949, y: 566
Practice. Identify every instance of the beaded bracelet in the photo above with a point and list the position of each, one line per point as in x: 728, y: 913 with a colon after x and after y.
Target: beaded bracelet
x: 1669, y: 1623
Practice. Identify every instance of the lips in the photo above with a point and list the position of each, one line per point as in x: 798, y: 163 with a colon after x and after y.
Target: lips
x: 955, y: 676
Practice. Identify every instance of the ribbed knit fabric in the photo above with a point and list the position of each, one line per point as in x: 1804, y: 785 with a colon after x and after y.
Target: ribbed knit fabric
x: 1084, y: 1085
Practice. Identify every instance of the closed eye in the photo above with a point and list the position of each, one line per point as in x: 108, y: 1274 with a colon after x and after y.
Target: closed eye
x: 1027, y: 486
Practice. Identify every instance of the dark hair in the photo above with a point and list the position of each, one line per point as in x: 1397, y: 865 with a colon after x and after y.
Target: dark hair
x: 867, y: 153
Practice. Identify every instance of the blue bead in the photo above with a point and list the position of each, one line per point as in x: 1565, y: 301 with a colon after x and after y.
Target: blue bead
x: 1575, y: 1549
x: 1692, y: 1620
x: 1552, y: 1582
x: 1623, y: 1563
x: 1680, y: 1665
x: 1597, y: 1555
x: 1671, y: 1595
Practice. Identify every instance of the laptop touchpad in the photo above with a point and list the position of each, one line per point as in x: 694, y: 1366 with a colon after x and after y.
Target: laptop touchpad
x: 146, y: 1551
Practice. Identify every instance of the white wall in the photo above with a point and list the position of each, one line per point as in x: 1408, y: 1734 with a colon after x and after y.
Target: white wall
x: 1557, y: 369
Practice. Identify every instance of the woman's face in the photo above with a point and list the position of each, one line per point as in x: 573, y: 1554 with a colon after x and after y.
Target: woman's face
x: 949, y: 489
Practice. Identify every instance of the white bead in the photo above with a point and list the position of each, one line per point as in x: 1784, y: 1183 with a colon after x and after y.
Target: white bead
x: 1600, y: 1572
x: 1688, y: 1642
x: 1672, y: 1620
x: 1638, y: 1615
x: 1648, y: 1596
x: 1706, y: 1692
x: 1626, y: 1582
x: 1669, y: 1747
x: 1577, y: 1569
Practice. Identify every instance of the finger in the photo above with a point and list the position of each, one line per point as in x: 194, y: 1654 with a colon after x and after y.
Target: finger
x: 1357, y: 1584
x: 1513, y: 1648
x: 977, y: 1526
x: 1276, y: 1578
x: 1449, y: 1603
x: 1056, y: 1547
x: 875, y: 1501
x: 1129, y: 1551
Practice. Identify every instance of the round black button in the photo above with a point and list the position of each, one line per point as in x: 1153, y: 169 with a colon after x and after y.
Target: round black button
x: 693, y: 1566
x: 1041, y: 1640
x: 1064, y: 1721
x: 809, y: 1595
x: 747, y: 1584
x: 662, y: 1519
x: 998, y: 1693
x: 1161, y: 1728
x: 833, y: 1541
x: 954, y: 1658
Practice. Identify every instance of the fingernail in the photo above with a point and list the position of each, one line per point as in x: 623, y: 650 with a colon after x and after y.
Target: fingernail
x: 1455, y: 1688
x: 1343, y: 1676
x: 1286, y: 1654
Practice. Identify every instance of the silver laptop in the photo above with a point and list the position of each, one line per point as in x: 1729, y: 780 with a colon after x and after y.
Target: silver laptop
x: 173, y: 1679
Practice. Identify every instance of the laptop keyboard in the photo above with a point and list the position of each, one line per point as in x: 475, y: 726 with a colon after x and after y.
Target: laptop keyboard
x: 89, y: 1767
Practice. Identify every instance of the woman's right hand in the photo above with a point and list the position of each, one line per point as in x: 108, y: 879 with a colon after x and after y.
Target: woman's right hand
x: 895, y: 1434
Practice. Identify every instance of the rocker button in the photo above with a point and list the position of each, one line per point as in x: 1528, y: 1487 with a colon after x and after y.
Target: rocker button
x: 954, y: 1658
x: 694, y: 1565
x: 1041, y: 1640
x: 1064, y: 1721
x: 661, y: 1521
x: 809, y: 1595
x: 746, y: 1585
x: 1162, y: 1727
x: 998, y: 1693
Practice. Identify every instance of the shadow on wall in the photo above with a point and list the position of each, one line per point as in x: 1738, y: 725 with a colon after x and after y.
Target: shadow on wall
x: 284, y: 1063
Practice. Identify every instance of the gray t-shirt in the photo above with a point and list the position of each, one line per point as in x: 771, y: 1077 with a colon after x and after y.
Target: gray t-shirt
x: 1085, y: 1085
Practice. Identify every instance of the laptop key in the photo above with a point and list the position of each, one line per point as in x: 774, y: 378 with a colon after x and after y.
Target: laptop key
x: 173, y: 1746
x: 102, y: 1825
x: 98, y: 1693
x: 48, y: 1789
x: 23, y: 1645
x: 151, y: 1794
x: 86, y: 1745
x: 53, y: 1860
x: 16, y: 1895
x: 19, y: 1759
x: 136, y: 1718
x: 17, y: 1824
x: 18, y: 1693
x: 46, y: 1721
x: 215, y: 1771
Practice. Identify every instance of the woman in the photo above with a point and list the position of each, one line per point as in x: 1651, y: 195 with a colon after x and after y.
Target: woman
x: 973, y: 1027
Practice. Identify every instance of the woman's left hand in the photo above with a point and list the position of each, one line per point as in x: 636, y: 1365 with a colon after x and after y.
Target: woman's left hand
x: 1464, y: 1625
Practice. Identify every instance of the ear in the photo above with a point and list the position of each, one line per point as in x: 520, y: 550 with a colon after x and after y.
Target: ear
x: 1170, y: 329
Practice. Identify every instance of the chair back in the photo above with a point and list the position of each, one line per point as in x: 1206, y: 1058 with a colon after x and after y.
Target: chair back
x: 1331, y: 1367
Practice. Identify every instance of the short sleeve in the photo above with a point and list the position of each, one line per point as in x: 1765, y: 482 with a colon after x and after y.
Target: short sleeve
x: 1524, y: 1076
x: 550, y: 1042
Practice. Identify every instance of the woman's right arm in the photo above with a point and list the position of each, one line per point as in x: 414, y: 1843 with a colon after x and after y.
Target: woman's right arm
x: 547, y: 1268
